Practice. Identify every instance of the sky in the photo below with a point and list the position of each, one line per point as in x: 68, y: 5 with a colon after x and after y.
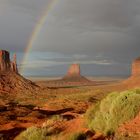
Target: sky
x: 101, y: 35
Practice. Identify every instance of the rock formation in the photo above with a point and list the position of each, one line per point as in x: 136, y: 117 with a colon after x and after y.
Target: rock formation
x: 74, y: 70
x: 4, y: 61
x: 136, y: 67
x: 14, y: 64
x: 134, y: 80
x: 10, y: 80
x: 6, y: 64
x: 74, y: 75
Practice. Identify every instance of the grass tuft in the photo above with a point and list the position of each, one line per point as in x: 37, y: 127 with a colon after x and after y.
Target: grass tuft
x: 32, y: 133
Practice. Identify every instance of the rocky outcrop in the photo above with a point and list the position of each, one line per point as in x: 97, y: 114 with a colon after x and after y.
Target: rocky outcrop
x: 71, y: 79
x: 134, y: 80
x: 6, y: 64
x: 74, y: 70
x: 14, y: 64
x: 136, y: 67
x: 10, y: 80
x: 4, y: 61
x: 74, y: 75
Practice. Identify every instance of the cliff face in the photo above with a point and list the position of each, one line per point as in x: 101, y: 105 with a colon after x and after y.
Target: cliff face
x: 6, y: 64
x: 136, y: 67
x: 134, y: 80
x: 14, y: 64
x: 74, y: 70
x: 74, y: 75
x: 10, y: 80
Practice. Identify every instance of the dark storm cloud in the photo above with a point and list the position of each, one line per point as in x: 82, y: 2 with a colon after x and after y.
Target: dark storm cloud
x: 93, y: 32
x: 97, y: 23
x: 109, y: 27
x: 17, y: 20
x: 118, y: 13
x: 30, y: 7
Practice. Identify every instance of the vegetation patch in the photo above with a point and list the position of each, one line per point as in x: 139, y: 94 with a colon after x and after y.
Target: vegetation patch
x: 32, y: 133
x: 113, y: 110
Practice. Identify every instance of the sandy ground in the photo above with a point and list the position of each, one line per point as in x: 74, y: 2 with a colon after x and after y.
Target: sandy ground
x: 21, y: 111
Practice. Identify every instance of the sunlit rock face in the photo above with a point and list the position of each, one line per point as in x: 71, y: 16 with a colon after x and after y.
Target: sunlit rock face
x: 14, y: 64
x: 136, y: 67
x: 74, y: 70
x: 134, y: 80
x: 10, y: 80
x: 6, y: 64
x: 74, y: 75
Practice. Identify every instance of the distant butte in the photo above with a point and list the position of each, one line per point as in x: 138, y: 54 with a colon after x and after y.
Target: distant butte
x: 74, y: 70
x: 136, y: 67
x: 134, y: 80
x: 74, y: 74
x: 72, y: 78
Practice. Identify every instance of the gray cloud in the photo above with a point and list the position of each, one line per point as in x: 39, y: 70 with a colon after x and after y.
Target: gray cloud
x: 93, y: 27
x: 83, y: 30
x: 18, y: 19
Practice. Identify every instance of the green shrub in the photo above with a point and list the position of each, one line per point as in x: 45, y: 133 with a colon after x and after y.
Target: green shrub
x: 91, y: 112
x: 77, y: 136
x: 113, y: 110
x: 32, y: 133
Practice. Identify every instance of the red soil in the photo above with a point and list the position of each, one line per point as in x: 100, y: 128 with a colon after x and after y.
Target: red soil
x: 131, y: 128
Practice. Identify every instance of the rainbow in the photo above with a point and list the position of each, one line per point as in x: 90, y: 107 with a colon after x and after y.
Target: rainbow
x: 36, y: 31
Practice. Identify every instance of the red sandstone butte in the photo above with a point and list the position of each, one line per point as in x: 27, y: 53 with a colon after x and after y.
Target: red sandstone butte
x: 134, y: 80
x: 74, y: 74
x: 74, y: 70
x: 14, y: 64
x: 10, y: 80
x: 6, y: 64
x: 136, y: 67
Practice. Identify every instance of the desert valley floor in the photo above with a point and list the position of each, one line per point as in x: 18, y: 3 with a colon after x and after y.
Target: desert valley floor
x: 64, y: 102
x: 73, y: 107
